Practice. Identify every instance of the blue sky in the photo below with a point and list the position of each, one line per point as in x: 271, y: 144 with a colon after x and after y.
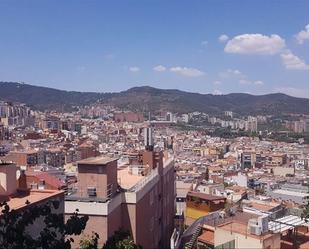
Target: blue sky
x: 114, y: 45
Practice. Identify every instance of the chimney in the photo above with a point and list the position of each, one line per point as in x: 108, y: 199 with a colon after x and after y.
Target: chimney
x: 22, y: 181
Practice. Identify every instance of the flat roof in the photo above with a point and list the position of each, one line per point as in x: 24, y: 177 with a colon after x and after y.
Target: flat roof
x: 267, y: 206
x: 207, y: 236
x: 285, y: 223
x: 100, y: 160
x: 205, y: 196
x: 18, y: 201
x: 241, y: 228
x: 288, y: 192
x: 127, y: 180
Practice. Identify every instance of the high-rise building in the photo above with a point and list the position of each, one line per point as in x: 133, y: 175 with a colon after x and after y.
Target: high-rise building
x: 148, y: 140
x: 251, y: 124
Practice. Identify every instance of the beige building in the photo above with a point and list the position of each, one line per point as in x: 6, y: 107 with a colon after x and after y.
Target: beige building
x: 138, y: 197
x: 239, y: 232
x: 242, y: 236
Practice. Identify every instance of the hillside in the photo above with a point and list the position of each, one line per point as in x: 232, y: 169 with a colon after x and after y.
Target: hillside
x: 45, y: 98
x: 148, y: 98
x: 153, y: 99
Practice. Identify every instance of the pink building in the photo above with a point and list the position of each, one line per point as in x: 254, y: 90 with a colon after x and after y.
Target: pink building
x: 139, y: 197
x: 14, y: 191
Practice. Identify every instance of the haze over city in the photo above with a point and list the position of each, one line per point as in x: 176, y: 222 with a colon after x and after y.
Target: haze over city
x: 199, y: 46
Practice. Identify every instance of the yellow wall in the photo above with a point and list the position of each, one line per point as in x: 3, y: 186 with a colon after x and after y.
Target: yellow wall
x: 195, y: 213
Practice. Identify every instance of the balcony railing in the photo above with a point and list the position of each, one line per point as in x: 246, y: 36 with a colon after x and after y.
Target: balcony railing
x: 137, y: 187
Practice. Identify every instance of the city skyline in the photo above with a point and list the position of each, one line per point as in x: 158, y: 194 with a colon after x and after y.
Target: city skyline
x: 214, y: 47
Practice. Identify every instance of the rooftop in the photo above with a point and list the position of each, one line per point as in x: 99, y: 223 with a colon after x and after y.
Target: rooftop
x: 127, y: 180
x: 207, y: 237
x: 289, y: 192
x: 205, y: 196
x: 241, y: 228
x: 19, y: 200
x: 101, y: 160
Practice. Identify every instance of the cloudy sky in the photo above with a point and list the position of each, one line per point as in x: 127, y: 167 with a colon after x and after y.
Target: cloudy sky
x: 201, y: 46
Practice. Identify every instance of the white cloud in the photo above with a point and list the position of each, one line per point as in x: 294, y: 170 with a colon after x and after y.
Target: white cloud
x: 187, y: 71
x: 217, y: 92
x: 255, y: 44
x: 204, y: 43
x: 244, y: 82
x: 293, y: 62
x: 134, y: 69
x: 236, y: 75
x: 217, y: 82
x: 258, y: 83
x: 303, y: 35
x: 249, y: 82
x: 159, y: 68
x: 223, y: 38
x: 232, y: 73
x: 235, y: 72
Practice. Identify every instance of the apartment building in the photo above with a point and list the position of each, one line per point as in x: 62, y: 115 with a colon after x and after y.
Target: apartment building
x: 138, y: 197
x: 26, y: 158
x: 14, y: 191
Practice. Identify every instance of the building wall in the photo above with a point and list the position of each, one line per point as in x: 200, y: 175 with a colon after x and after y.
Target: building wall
x: 128, y: 214
x: 242, y: 241
x: 89, y: 176
x: 282, y: 171
x: 19, y: 158
x: 96, y: 224
x: 98, y: 176
x: 8, y: 181
x: 169, y: 192
x: 148, y: 219
x: 114, y: 221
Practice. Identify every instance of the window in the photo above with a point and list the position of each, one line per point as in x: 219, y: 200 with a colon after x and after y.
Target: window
x: 92, y: 191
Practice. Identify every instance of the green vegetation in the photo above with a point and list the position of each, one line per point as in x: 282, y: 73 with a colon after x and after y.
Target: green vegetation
x: 15, y: 234
x: 290, y: 137
x: 228, y: 133
x: 145, y: 99
x: 120, y: 240
x: 89, y: 242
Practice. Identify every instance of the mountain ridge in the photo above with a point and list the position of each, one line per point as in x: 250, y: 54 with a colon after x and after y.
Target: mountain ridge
x: 147, y: 98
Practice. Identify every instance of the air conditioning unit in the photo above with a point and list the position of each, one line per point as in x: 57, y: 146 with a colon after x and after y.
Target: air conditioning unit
x: 256, y: 230
x: 254, y: 227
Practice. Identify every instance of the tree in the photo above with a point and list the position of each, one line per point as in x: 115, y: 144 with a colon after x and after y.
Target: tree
x: 15, y: 227
x: 89, y: 242
x: 120, y: 240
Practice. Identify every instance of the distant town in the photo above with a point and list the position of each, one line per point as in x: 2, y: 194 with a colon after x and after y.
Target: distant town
x: 171, y: 180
